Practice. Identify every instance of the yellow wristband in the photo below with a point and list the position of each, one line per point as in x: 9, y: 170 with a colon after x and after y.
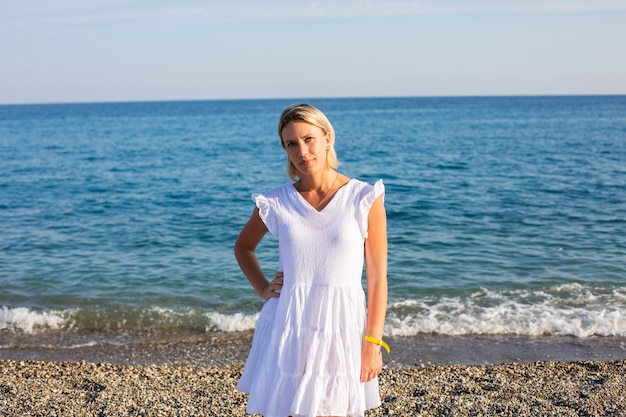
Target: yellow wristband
x: 378, y: 342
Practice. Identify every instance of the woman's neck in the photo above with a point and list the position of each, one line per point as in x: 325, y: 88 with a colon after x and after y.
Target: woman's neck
x: 318, y: 191
x: 322, y: 183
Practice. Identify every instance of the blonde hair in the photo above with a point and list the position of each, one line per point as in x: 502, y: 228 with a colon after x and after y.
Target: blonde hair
x: 313, y: 116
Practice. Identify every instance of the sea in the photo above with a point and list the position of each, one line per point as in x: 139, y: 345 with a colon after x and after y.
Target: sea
x: 506, y: 215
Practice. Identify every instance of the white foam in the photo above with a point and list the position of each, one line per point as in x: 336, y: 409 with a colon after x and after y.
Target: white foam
x: 216, y: 321
x: 22, y: 319
x: 232, y: 322
x: 568, y: 310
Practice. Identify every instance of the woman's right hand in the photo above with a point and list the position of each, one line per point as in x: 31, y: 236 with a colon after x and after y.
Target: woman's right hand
x: 274, y: 288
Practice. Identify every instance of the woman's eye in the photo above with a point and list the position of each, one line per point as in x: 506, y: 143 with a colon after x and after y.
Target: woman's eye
x: 309, y: 139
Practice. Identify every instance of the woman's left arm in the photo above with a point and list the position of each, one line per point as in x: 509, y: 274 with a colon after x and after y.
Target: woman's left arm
x: 376, y: 277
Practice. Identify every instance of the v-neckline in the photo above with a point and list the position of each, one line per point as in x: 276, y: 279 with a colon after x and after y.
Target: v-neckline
x: 328, y: 203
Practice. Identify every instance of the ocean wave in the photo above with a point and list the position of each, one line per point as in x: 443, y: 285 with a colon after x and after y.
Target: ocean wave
x: 565, y: 310
x: 22, y: 319
x: 152, y: 320
x: 232, y: 322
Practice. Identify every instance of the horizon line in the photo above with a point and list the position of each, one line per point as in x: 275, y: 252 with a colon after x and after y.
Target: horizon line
x: 139, y: 101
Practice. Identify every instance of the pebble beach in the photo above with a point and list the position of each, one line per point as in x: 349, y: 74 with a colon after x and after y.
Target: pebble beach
x: 199, y: 379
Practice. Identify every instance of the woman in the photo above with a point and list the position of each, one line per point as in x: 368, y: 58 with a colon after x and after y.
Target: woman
x: 316, y: 350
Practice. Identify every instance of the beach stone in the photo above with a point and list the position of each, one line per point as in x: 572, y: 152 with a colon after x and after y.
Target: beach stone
x: 532, y: 389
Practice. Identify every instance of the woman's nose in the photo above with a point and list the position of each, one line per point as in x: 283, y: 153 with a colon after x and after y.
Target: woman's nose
x: 303, y: 150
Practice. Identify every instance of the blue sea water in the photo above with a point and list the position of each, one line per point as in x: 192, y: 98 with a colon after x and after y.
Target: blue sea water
x: 507, y: 215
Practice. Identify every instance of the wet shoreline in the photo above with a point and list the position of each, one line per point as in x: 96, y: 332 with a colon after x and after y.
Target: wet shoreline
x: 406, y: 352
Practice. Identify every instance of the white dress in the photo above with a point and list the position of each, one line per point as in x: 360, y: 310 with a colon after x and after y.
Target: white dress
x: 305, y: 358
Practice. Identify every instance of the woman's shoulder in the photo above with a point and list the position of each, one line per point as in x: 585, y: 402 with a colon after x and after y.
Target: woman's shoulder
x: 361, y: 185
x: 365, y: 193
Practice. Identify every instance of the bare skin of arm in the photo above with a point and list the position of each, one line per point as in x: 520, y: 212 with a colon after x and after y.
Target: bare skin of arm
x: 376, y: 278
x: 245, y: 246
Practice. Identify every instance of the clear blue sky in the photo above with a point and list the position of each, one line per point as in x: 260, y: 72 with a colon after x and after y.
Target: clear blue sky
x: 97, y: 50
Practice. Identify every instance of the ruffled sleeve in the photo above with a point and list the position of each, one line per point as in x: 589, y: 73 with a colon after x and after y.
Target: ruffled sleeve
x: 371, y: 193
x: 265, y: 212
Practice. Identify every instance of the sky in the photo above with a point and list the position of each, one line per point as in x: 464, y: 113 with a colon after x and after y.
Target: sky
x: 145, y: 50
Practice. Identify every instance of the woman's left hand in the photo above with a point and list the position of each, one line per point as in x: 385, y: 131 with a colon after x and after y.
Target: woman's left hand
x: 371, y: 361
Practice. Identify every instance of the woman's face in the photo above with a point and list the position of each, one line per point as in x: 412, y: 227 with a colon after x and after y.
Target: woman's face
x: 306, y: 147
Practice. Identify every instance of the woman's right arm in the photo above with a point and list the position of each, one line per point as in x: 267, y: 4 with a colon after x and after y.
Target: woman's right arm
x: 245, y: 246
